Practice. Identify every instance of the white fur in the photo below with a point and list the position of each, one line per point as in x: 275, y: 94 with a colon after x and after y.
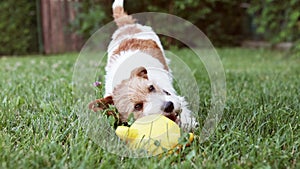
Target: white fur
x: 118, y: 3
x: 147, y: 33
x: 130, y: 60
x: 154, y: 103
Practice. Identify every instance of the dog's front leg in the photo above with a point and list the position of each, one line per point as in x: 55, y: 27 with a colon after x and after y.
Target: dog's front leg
x: 187, y: 121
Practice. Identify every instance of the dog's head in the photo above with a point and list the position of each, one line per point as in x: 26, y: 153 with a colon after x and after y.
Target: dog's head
x: 142, y: 97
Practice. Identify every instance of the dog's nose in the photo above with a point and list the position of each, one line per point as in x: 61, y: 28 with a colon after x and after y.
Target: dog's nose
x: 168, y: 107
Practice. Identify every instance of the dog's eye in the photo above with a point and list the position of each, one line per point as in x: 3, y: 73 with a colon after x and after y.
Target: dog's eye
x: 167, y: 92
x: 151, y: 88
x: 138, y: 106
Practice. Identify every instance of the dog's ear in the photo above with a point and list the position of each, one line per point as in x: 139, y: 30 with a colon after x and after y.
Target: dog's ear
x: 139, y: 72
x: 101, y: 104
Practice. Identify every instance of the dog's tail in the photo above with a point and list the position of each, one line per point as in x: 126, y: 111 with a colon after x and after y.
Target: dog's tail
x: 121, y: 17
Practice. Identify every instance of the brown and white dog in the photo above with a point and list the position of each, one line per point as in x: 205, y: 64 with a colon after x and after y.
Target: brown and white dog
x: 138, y: 78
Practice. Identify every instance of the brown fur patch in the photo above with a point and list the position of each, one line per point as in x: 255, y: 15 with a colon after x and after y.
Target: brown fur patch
x: 121, y: 17
x: 101, y: 104
x: 131, y: 30
x: 147, y: 46
x: 139, y: 72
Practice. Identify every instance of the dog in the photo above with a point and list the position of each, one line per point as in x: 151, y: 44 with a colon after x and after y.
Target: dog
x: 138, y: 78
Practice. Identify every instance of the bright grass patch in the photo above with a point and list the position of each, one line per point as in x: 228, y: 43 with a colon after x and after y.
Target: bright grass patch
x: 259, y: 128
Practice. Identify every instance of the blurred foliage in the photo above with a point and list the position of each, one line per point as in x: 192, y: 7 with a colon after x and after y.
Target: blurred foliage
x: 90, y: 17
x: 221, y: 21
x: 18, y: 32
x: 225, y: 22
x: 208, y: 15
x: 277, y: 21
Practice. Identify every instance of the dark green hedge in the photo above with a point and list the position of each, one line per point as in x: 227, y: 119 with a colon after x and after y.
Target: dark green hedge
x: 18, y: 28
x: 277, y: 21
x: 222, y: 21
x: 225, y: 22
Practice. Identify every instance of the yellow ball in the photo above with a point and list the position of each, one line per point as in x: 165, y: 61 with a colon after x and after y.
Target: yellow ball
x: 155, y: 134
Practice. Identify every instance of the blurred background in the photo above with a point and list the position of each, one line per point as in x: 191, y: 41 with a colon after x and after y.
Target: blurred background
x: 59, y: 26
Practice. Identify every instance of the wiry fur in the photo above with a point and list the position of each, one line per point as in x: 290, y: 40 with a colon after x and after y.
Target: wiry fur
x: 147, y: 46
x: 138, y: 78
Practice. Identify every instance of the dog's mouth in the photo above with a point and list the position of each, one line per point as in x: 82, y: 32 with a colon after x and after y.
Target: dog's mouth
x: 174, y: 116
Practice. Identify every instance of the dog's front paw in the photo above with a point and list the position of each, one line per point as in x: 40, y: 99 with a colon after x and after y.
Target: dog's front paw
x: 189, y: 124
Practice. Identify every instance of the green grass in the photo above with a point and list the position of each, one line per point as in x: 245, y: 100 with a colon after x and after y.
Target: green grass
x: 260, y: 127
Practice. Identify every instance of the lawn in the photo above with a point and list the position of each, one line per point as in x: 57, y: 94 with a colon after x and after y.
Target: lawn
x: 260, y: 126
